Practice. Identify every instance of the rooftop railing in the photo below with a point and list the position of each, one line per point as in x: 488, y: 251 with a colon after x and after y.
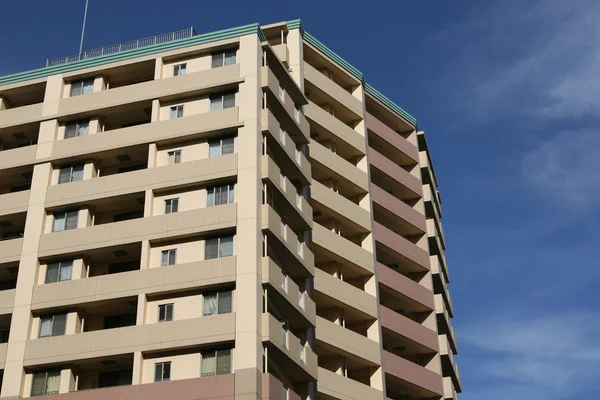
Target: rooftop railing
x: 118, y: 48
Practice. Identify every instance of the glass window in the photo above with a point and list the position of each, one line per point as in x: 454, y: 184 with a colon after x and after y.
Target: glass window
x: 281, y: 94
x: 221, y: 146
x: 165, y: 312
x: 216, y: 362
x: 70, y: 173
x: 82, y: 87
x: 174, y: 156
x: 222, y: 58
x: 59, y: 271
x: 284, y: 333
x: 45, y: 383
x: 77, y: 128
x: 218, y: 247
x: 65, y: 220
x: 171, y: 206
x: 220, y: 101
x: 179, y: 69
x: 176, y: 112
x: 162, y: 371
x: 52, y: 325
x: 218, y: 195
x: 217, y: 303
x: 168, y: 257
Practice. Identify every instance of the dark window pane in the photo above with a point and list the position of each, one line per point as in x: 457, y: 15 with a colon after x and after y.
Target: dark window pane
x: 211, y: 248
x: 60, y: 324
x: 217, y: 60
x: 52, y: 273
x: 225, y: 302
x: 228, y: 146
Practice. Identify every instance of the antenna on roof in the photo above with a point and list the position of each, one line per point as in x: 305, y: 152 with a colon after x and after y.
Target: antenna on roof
x: 83, y: 29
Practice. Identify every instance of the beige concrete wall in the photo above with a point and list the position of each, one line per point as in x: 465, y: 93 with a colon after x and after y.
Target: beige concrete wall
x: 184, y: 307
x: 188, y: 251
x: 190, y: 199
x: 194, y: 63
x: 183, y: 366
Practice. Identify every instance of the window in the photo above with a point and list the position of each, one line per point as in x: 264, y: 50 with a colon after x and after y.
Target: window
x: 221, y: 101
x: 171, y: 206
x: 176, y: 112
x: 281, y: 94
x: 218, y: 195
x: 52, y: 325
x: 168, y: 257
x: 217, y: 303
x: 297, y: 114
x: 223, y: 58
x: 45, y: 383
x: 297, y: 154
x: 284, y: 281
x: 179, y: 69
x: 284, y: 334
x: 70, y: 173
x: 220, y: 147
x: 174, y: 156
x: 162, y: 371
x: 218, y: 247
x: 165, y: 312
x: 114, y: 378
x: 282, y: 136
x: 59, y: 271
x: 65, y: 220
x: 84, y: 86
x: 77, y: 128
x: 120, y: 321
x: 216, y: 362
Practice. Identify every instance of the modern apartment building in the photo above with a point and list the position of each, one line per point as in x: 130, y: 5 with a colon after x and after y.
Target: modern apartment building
x: 231, y: 215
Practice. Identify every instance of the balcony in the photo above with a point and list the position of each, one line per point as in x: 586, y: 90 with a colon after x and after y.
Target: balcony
x: 21, y: 115
x: 14, y: 203
x: 272, y: 389
x: 449, y: 366
x: 396, y: 214
x: 405, y: 287
x: 10, y: 250
x: 272, y: 333
x: 400, y: 325
x: 326, y: 165
x: 287, y: 244
x: 195, y: 83
x: 284, y: 109
x: 297, y: 306
x: 337, y: 386
x: 105, y: 187
x: 338, y: 95
x: 343, y: 295
x: 396, y: 248
x: 329, y: 204
x: 150, y: 228
x: 432, y: 201
x: 7, y: 300
x: 334, y: 339
x: 449, y: 390
x: 111, y: 342
x: 333, y: 247
x: 412, y: 187
x: 325, y: 127
x: 126, y: 284
x: 436, y: 237
x: 440, y: 285
x: 406, y: 378
x: 398, y: 147
x: 179, y: 128
x: 444, y: 322
x: 293, y: 161
x: 297, y: 210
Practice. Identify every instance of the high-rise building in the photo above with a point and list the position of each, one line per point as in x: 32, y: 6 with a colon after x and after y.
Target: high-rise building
x: 231, y: 215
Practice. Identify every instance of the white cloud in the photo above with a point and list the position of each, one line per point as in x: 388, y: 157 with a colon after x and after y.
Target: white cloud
x: 552, y: 356
x: 566, y: 168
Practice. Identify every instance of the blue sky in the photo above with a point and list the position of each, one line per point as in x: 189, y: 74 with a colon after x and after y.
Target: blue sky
x: 508, y: 92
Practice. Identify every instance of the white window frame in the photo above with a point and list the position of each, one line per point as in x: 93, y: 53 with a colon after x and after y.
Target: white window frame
x: 215, y: 354
x: 161, y: 365
x: 47, y: 374
x: 219, y: 143
x: 217, y: 100
x: 166, y: 307
x: 82, y: 125
x: 172, y: 205
x: 168, y: 253
x: 217, y: 295
x: 67, y: 264
x: 178, y: 110
x: 223, y: 55
x: 71, y: 171
x: 180, y: 69
x: 52, y: 317
x: 78, y: 87
x: 219, y: 246
x: 211, y: 194
x: 174, y: 156
x: 66, y: 215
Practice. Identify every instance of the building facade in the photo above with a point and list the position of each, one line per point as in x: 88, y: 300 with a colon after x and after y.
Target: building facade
x: 233, y: 215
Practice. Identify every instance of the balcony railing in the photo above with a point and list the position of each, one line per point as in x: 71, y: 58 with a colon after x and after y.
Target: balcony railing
x: 118, y: 48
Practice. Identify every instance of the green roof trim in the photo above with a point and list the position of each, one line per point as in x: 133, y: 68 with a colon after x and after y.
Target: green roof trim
x: 382, y: 98
x: 351, y: 70
x: 157, y: 48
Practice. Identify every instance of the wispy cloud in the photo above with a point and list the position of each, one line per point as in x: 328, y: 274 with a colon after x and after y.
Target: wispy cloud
x: 566, y: 168
x: 550, y: 356
x: 538, y: 58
